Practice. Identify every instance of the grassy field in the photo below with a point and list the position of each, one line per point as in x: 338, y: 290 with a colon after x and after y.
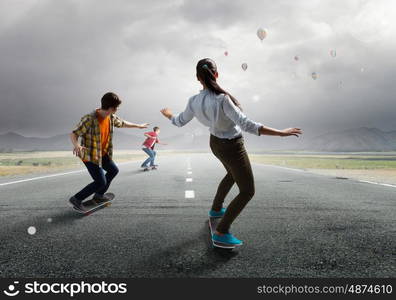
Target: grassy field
x: 377, y: 168
x: 47, y: 161
x: 328, y: 161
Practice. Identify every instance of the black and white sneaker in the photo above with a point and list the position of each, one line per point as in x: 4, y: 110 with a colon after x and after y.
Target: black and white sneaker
x: 76, y: 203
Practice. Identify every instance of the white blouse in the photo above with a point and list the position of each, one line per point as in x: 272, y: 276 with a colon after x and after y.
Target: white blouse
x: 224, y: 119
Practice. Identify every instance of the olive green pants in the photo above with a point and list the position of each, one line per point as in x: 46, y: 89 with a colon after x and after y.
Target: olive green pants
x: 233, y: 156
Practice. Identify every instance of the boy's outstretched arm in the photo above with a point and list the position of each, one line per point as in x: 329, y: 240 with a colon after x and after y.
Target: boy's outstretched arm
x: 120, y: 123
x: 127, y: 124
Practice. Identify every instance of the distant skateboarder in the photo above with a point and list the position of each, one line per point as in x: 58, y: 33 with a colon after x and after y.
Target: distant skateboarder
x: 222, y: 113
x: 96, y: 149
x: 148, y: 148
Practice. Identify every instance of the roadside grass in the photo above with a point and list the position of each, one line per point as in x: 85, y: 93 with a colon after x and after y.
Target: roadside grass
x: 20, y: 163
x: 327, y: 161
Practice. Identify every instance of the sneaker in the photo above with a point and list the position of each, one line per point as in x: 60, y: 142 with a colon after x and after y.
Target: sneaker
x: 217, y: 214
x: 146, y: 169
x: 226, y: 238
x: 153, y: 168
x: 100, y: 199
x: 76, y: 203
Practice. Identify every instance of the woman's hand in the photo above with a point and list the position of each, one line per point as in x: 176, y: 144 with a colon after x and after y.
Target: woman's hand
x: 167, y: 113
x: 79, y: 150
x: 291, y: 131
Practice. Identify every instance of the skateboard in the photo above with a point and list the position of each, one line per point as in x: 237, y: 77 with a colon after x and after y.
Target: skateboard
x: 213, y: 221
x: 150, y: 168
x: 91, y: 206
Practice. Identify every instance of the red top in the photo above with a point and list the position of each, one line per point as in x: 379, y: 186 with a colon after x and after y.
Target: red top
x: 150, y: 142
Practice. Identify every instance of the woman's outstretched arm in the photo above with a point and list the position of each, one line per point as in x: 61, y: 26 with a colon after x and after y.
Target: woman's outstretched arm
x: 236, y: 115
x: 181, y: 119
x: 263, y: 130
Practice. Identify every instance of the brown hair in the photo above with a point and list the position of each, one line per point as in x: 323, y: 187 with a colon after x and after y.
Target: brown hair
x: 206, y: 70
x: 110, y: 100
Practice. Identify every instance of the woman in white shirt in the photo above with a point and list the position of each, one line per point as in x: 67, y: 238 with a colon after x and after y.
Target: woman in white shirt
x: 222, y: 113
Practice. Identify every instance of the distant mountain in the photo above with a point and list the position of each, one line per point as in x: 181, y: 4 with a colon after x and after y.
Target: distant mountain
x: 124, y: 141
x: 357, y: 139
x: 16, y: 142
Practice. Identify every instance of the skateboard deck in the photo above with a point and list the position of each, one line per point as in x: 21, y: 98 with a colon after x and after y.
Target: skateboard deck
x: 91, y: 206
x: 150, y: 169
x: 212, y: 226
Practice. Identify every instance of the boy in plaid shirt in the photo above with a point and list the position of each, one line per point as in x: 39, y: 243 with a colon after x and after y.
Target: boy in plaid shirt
x: 96, y: 148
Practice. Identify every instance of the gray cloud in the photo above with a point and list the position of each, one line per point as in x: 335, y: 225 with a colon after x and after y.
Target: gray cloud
x: 58, y: 58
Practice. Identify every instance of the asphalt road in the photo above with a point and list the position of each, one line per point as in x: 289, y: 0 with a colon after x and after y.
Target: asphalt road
x: 298, y: 225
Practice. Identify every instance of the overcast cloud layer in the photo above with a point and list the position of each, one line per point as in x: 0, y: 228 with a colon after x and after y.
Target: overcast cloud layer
x: 57, y: 58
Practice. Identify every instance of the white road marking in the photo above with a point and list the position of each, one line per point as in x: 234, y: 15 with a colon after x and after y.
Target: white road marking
x: 189, y: 194
x: 52, y: 175
x: 189, y: 179
x: 378, y: 183
x: 40, y: 177
x: 298, y: 170
x: 189, y: 172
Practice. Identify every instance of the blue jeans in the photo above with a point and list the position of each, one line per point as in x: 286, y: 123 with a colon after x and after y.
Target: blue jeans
x: 101, y: 181
x: 151, y: 153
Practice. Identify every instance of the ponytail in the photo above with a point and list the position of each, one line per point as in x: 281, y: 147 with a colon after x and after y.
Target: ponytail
x: 206, y: 69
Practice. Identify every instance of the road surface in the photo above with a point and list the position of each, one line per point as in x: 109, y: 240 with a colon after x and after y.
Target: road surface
x: 298, y: 225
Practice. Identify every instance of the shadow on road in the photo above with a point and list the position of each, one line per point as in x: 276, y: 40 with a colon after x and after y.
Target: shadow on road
x: 186, y: 259
x: 42, y: 223
x: 139, y: 172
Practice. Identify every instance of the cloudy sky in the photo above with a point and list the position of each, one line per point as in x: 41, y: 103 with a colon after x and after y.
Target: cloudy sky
x: 57, y: 58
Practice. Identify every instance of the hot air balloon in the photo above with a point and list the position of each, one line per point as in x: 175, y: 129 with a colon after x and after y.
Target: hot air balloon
x: 296, y: 58
x: 261, y: 33
x: 244, y: 66
x: 314, y: 75
x: 226, y: 53
x: 333, y: 53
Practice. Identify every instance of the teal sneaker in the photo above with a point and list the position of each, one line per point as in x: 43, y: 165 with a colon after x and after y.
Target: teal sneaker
x: 217, y: 214
x: 227, y: 238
